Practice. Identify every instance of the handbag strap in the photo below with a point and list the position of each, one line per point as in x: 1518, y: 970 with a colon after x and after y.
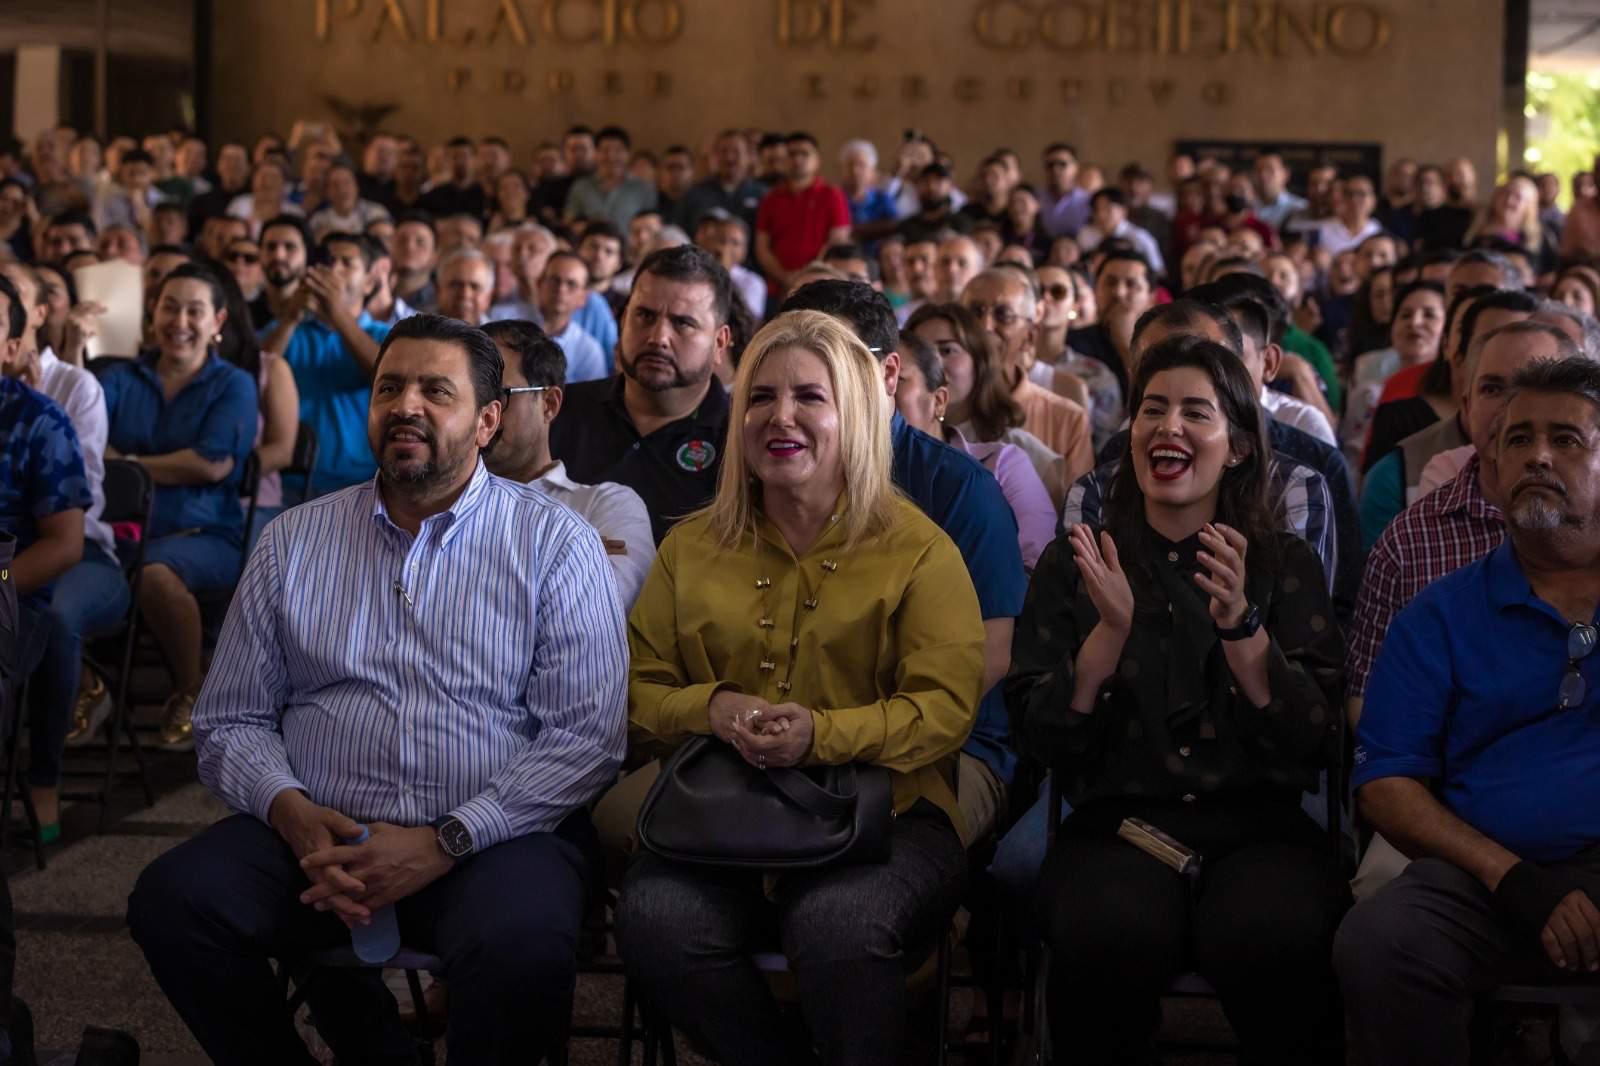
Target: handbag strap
x: 806, y: 794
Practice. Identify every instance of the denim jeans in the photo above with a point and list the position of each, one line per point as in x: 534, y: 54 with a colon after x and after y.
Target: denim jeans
x: 92, y: 595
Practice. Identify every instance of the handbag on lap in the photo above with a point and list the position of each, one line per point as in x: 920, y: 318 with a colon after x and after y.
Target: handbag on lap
x: 711, y: 808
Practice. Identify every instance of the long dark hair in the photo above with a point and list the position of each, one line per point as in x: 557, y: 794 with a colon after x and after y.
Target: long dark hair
x: 1366, y: 332
x: 993, y: 411
x: 1242, y: 492
x: 239, y: 344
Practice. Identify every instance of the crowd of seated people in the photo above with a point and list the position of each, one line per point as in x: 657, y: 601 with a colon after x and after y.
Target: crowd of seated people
x: 1061, y: 503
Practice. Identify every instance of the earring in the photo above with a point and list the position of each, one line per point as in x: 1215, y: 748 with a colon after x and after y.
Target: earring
x: 941, y: 419
x: 217, y: 339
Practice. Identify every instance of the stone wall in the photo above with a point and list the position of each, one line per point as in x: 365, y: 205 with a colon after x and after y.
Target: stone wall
x: 1123, y: 79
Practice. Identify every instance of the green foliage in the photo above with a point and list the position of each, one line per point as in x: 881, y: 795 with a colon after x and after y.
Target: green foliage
x: 1563, y: 115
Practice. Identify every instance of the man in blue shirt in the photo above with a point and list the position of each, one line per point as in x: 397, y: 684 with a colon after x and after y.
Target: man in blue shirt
x: 438, y: 658
x: 965, y: 501
x: 331, y: 344
x: 1478, y: 750
x: 44, y: 494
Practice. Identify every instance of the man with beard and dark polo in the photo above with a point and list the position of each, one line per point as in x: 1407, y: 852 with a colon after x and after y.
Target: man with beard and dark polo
x: 658, y: 425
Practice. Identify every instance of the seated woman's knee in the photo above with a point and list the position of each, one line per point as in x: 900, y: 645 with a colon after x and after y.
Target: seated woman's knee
x: 839, y: 923
x: 158, y: 580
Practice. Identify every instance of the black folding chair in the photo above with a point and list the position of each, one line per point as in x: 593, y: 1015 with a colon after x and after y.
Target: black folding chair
x: 130, y: 497
x: 303, y: 462
x: 102, y: 363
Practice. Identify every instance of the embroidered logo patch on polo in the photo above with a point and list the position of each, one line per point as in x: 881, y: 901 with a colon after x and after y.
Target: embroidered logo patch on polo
x: 697, y: 455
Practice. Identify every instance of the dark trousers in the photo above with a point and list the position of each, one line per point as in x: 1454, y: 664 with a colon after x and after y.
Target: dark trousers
x: 851, y: 935
x: 1413, y: 959
x: 210, y: 913
x: 1258, y: 925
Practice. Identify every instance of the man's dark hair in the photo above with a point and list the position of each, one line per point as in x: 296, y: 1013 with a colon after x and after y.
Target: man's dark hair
x: 1109, y: 192
x: 1510, y: 276
x: 859, y: 306
x: 417, y: 218
x: 559, y: 254
x: 498, y: 142
x: 170, y: 249
x: 363, y: 243
x: 541, y: 359
x: 676, y: 149
x: 72, y: 218
x: 1233, y: 291
x: 294, y: 222
x: 835, y: 252
x: 801, y: 137
x: 1570, y: 377
x: 1129, y: 255
x: 1518, y: 300
x: 692, y: 265
x: 16, y: 314
x: 1188, y: 313
x: 459, y: 141
x: 604, y: 228
x: 1059, y: 146
x: 614, y: 133
x: 1135, y: 172
x: 769, y: 140
x: 484, y: 362
x: 135, y: 155
x: 578, y: 131
x: 170, y: 207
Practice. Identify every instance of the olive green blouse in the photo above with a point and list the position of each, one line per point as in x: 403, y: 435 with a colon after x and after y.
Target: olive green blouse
x: 882, y: 641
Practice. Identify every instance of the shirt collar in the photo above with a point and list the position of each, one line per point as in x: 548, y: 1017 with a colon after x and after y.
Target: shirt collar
x: 146, y: 361
x: 1464, y: 495
x: 450, y: 520
x: 557, y: 477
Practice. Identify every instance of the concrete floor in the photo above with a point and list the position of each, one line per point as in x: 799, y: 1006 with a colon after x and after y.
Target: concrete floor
x: 77, y: 965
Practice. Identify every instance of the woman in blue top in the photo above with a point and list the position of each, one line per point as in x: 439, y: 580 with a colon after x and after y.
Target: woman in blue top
x: 189, y: 419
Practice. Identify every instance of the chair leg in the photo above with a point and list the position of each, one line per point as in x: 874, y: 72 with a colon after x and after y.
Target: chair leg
x: 629, y: 1010
x: 942, y: 1007
x: 12, y: 736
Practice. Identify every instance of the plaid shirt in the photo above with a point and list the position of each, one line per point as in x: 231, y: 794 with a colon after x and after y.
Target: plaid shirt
x: 1440, y: 533
x: 1298, y: 494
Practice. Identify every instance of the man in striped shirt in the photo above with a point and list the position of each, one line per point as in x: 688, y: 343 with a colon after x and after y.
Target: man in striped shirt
x: 437, y: 656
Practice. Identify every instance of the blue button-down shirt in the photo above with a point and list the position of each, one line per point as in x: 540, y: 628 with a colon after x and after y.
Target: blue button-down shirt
x: 41, y: 466
x: 478, y: 669
x: 1464, y: 693
x: 334, y: 391
x: 965, y: 500
x: 597, y: 321
x: 214, y: 414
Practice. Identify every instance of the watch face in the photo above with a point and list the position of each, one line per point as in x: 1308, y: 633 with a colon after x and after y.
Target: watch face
x: 455, y: 838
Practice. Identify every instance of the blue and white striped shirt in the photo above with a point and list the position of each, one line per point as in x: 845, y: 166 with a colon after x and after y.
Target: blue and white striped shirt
x: 479, y: 669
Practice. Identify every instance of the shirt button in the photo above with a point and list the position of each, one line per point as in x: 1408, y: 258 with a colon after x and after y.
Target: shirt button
x: 411, y: 730
x: 635, y: 445
x: 1188, y: 797
x: 407, y: 791
x: 1185, y: 751
x: 1172, y: 557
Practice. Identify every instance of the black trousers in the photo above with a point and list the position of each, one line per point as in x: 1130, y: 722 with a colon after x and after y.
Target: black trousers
x: 212, y: 911
x: 1415, y: 957
x: 1258, y: 925
x: 850, y: 933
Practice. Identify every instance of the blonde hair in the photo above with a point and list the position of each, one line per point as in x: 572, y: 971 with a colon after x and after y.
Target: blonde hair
x: 864, y: 446
x: 1528, y: 226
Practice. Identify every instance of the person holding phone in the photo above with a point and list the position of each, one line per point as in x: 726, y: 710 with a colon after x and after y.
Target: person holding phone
x: 1181, y: 666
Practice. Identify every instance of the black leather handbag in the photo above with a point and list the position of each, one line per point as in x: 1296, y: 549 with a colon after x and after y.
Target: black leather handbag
x: 710, y: 807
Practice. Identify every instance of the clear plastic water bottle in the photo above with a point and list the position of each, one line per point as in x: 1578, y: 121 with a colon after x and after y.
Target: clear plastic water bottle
x: 380, y: 941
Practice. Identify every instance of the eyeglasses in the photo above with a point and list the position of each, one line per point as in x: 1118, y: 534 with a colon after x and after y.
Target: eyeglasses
x: 527, y: 388
x: 1004, y: 317
x: 248, y: 258
x: 1580, y: 642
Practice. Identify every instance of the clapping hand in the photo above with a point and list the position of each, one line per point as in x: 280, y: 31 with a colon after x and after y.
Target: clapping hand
x: 1223, y: 574
x: 1103, y: 577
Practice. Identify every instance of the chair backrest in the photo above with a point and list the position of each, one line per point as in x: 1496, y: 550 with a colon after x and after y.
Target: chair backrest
x: 304, y: 459
x: 130, y: 497
x: 102, y: 363
x: 250, y: 477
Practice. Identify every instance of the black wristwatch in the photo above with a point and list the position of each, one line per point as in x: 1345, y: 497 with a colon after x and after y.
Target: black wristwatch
x: 453, y: 836
x: 1247, y: 627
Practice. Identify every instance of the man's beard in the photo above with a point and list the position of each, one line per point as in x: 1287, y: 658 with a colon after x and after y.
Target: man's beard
x: 413, y: 475
x: 280, y: 277
x: 1533, y: 512
x: 679, y: 380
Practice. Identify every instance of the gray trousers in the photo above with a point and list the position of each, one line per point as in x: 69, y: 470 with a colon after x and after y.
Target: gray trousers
x: 1414, y: 959
x: 852, y: 935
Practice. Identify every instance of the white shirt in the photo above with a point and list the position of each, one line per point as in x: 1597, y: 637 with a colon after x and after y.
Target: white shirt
x: 619, y: 516
x: 78, y: 393
x: 1334, y: 238
x: 752, y: 287
x: 1293, y: 411
x: 586, y: 360
x: 328, y: 220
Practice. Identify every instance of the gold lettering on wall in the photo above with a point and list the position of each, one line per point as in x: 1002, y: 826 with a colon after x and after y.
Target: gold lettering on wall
x: 559, y: 82
x: 804, y: 22
x: 508, y: 18
x: 668, y: 21
x: 393, y: 14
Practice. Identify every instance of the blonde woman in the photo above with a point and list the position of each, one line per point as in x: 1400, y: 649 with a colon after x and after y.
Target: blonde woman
x: 811, y: 591
x: 1512, y: 216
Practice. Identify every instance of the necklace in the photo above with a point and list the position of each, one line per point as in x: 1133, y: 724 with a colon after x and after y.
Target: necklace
x: 769, y: 624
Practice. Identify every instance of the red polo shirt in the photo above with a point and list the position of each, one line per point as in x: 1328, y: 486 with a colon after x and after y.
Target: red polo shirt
x: 798, y: 223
